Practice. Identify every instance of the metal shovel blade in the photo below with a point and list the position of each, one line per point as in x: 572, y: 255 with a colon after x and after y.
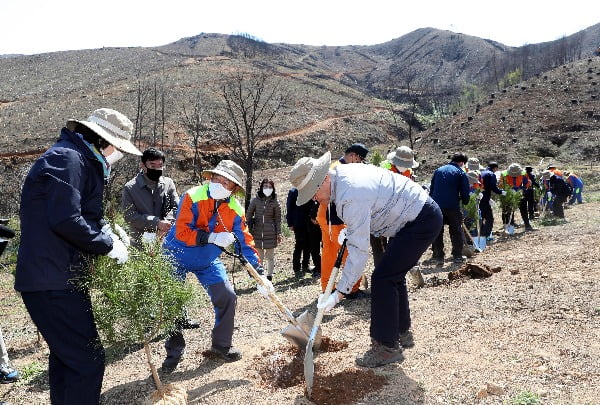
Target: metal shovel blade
x: 298, y: 335
x: 309, y: 365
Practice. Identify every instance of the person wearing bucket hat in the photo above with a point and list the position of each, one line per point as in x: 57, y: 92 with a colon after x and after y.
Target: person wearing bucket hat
x: 209, y: 219
x: 371, y: 200
x: 61, y: 215
x: 402, y: 161
x: 473, y: 165
x: 515, y: 178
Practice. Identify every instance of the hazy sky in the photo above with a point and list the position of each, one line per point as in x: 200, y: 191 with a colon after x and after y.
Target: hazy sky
x: 37, y: 26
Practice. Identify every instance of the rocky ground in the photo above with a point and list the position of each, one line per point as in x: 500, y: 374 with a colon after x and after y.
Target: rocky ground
x: 530, y: 330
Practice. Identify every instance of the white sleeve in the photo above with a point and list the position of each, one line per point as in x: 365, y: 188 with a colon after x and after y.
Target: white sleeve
x: 358, y: 227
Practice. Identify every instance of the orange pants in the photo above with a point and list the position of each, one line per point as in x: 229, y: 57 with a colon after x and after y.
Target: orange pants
x: 330, y: 247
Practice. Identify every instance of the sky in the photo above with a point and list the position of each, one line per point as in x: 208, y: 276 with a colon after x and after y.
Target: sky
x: 39, y: 26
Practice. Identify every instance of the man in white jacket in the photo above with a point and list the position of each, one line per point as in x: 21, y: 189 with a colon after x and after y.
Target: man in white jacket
x: 372, y: 200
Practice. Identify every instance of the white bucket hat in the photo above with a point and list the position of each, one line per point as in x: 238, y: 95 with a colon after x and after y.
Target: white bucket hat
x: 307, y: 175
x: 230, y: 170
x: 403, y: 156
x: 113, y: 126
x: 473, y: 164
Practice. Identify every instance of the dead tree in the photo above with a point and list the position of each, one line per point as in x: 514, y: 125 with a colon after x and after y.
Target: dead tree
x: 251, y: 104
x: 191, y: 119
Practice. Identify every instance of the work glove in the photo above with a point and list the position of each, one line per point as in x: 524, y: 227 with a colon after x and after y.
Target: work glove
x: 328, y: 304
x: 267, y: 288
x: 479, y: 196
x: 122, y: 235
x: 503, y: 193
x: 148, y: 237
x: 119, y: 250
x: 222, y: 239
x: 342, y: 236
x: 549, y: 195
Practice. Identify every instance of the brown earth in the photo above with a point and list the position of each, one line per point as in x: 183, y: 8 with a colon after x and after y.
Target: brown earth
x: 531, y: 327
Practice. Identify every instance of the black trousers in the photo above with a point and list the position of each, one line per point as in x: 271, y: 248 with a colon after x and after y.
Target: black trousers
x: 453, y: 218
x: 528, y: 196
x: 390, y: 312
x: 76, y: 362
x: 558, y: 205
x: 487, y: 217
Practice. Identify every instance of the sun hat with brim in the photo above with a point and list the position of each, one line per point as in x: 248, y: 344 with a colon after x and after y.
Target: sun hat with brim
x: 473, y: 164
x: 113, y: 126
x: 515, y: 170
x: 403, y: 156
x: 307, y: 175
x: 546, y: 174
x: 230, y: 170
x: 473, y: 177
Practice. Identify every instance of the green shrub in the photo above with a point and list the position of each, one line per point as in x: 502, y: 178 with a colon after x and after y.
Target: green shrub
x: 526, y: 398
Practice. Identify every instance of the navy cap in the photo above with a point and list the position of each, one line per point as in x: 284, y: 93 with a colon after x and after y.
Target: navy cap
x: 358, y: 148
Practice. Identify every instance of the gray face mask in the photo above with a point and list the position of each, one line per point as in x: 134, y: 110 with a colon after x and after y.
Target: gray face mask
x: 113, y: 157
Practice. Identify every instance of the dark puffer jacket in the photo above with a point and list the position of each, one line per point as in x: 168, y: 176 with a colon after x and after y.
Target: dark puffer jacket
x: 264, y: 220
x: 61, y: 216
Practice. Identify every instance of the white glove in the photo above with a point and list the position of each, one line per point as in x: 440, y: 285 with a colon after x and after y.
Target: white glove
x: 149, y: 237
x: 119, y: 250
x: 328, y: 304
x: 503, y: 192
x: 342, y: 236
x: 479, y: 196
x: 267, y: 288
x: 549, y: 195
x: 492, y: 203
x: 123, y: 235
x: 222, y: 239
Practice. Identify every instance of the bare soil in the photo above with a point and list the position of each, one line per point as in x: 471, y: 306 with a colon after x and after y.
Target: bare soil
x: 530, y: 326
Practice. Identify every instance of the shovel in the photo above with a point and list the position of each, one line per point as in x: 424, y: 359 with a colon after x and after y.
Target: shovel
x: 297, y: 333
x: 471, y: 237
x: 309, y: 365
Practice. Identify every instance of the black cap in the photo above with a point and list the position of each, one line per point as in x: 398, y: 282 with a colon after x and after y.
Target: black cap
x: 358, y: 148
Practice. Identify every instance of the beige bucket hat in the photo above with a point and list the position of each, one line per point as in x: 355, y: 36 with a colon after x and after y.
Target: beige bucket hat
x: 113, y: 126
x: 403, y: 156
x: 308, y: 174
x: 473, y: 177
x: 473, y: 164
x: 515, y: 170
x: 230, y: 170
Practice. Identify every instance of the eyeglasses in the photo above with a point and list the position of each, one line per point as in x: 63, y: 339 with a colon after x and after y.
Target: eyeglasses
x: 228, y: 184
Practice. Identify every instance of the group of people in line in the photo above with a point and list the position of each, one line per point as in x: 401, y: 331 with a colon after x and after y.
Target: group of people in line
x: 381, y: 211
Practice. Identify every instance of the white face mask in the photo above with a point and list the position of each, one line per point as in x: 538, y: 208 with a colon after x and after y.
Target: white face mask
x: 218, y: 191
x: 113, y: 157
x: 267, y: 191
x: 400, y: 169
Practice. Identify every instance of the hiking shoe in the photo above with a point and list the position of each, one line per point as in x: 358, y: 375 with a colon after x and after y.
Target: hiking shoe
x: 406, y: 339
x: 186, y: 323
x: 8, y: 374
x: 170, y: 364
x: 379, y: 354
x: 459, y: 259
x: 227, y: 353
x: 529, y: 228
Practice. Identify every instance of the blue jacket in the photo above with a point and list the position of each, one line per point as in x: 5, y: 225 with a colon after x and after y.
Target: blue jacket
x: 61, y: 214
x: 490, y: 183
x: 449, y: 186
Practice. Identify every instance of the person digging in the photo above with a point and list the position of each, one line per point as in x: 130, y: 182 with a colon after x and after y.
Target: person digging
x: 372, y: 200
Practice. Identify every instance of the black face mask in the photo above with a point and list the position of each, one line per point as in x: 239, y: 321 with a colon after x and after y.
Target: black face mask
x: 154, y: 174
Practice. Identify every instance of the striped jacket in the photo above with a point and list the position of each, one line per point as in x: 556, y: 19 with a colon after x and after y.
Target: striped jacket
x: 197, y: 216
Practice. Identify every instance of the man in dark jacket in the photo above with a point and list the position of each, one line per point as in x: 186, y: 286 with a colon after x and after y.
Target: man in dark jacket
x: 450, y: 186
x: 61, y: 221
x: 307, y: 235
x: 490, y: 183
